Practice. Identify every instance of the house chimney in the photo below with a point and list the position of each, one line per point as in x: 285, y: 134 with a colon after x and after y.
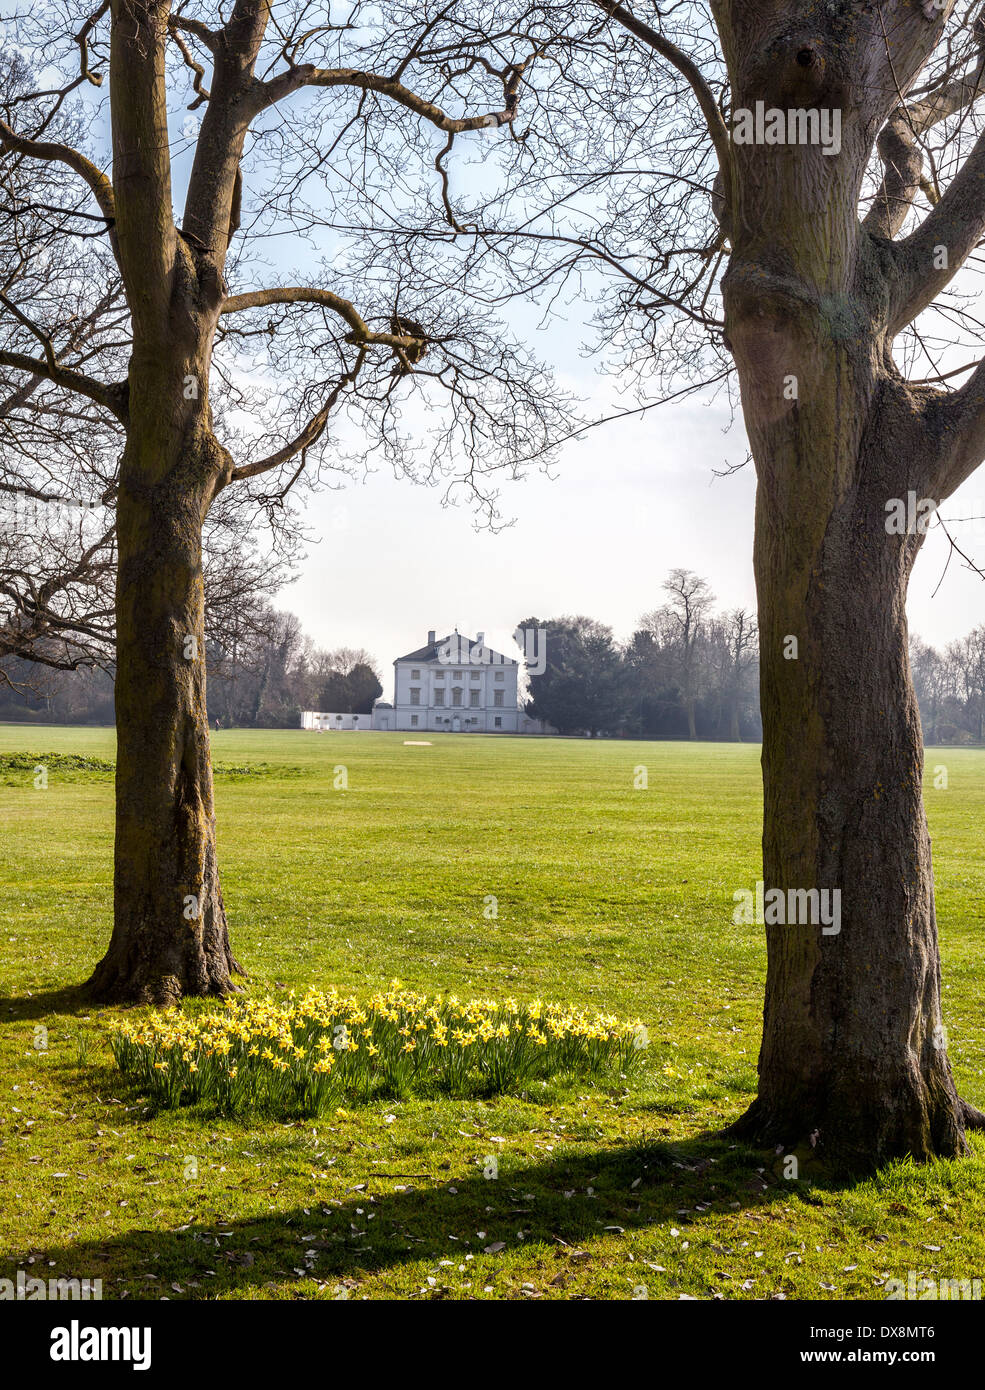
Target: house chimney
x: 431, y: 637
x: 479, y: 636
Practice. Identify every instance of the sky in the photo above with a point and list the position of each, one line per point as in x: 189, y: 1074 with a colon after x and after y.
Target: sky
x: 627, y: 503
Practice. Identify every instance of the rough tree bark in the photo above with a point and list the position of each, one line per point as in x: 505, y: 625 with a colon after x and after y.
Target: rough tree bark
x: 170, y: 936
x: 853, y: 1058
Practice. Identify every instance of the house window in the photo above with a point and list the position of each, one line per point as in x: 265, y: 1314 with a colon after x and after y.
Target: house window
x: 458, y: 675
x: 473, y: 697
x: 415, y: 675
x: 499, y: 675
x: 475, y: 675
x: 498, y: 699
x: 439, y: 675
x: 413, y: 721
x: 498, y: 722
x: 456, y: 696
x: 439, y: 697
x: 415, y: 696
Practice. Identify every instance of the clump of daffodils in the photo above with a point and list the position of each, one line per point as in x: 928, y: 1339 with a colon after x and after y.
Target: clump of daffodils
x: 304, y: 1055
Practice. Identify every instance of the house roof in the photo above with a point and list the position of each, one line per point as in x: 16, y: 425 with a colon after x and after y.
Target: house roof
x: 457, y: 647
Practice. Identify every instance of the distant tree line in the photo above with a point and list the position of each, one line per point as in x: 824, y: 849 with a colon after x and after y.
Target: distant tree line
x: 686, y: 672
x: 950, y: 688
x: 689, y: 672
x: 262, y: 674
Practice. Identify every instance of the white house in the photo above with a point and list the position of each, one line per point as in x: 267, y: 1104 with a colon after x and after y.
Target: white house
x: 455, y: 686
x: 452, y: 685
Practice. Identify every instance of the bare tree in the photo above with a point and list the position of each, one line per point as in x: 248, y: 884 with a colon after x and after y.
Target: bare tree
x: 735, y: 652
x: 967, y: 657
x: 681, y: 626
x: 930, y: 679
x: 294, y: 105
x: 817, y: 287
x: 56, y: 542
x: 59, y: 454
x: 784, y: 195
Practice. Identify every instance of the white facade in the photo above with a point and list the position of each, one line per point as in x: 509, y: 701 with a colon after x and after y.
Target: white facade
x: 452, y: 685
x: 457, y: 686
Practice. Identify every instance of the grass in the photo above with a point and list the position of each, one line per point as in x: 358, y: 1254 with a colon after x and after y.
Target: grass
x: 33, y: 768
x: 486, y: 867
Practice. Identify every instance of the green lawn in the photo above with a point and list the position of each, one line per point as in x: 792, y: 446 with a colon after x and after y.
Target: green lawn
x: 608, y: 896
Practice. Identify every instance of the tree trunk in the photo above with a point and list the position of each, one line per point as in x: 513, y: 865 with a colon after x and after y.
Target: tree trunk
x: 169, y: 936
x: 853, y: 1060
x: 853, y: 1055
x: 735, y: 732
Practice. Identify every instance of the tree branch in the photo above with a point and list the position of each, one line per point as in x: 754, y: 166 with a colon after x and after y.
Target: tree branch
x: 308, y: 436
x: 686, y: 67
x: 99, y: 184
x: 202, y: 92
x: 932, y: 255
x: 361, y: 331
x: 307, y: 75
x: 902, y: 179
x: 82, y: 39
x: 899, y: 143
x: 195, y: 26
x: 113, y: 398
x: 955, y: 420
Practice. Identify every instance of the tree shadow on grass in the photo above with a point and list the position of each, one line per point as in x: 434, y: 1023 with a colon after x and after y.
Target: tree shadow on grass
x: 71, y: 1000
x: 562, y: 1205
